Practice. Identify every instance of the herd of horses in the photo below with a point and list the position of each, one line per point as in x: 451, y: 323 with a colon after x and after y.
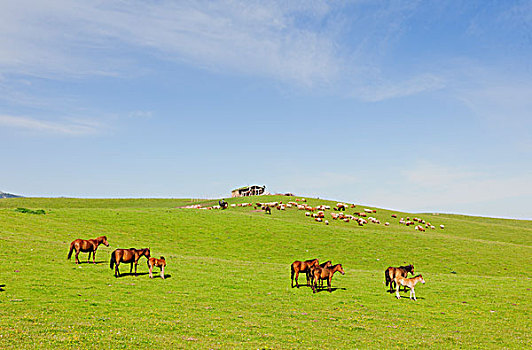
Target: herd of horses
x: 118, y: 256
x: 316, y: 273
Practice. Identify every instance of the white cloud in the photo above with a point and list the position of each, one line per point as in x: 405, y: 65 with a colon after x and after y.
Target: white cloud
x: 431, y: 187
x: 66, y: 127
x: 385, y: 90
x: 247, y: 37
x: 309, y: 44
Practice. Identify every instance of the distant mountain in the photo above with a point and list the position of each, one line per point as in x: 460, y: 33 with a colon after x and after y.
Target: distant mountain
x: 8, y: 195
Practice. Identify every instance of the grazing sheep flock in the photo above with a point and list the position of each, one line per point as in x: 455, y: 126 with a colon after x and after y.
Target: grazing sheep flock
x: 317, y: 213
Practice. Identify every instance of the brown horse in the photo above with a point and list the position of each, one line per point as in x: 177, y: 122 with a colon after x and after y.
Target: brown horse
x: 161, y: 263
x: 130, y: 255
x: 302, y: 266
x: 325, y: 273
x: 408, y: 282
x: 321, y: 266
x: 87, y: 245
x: 392, y: 273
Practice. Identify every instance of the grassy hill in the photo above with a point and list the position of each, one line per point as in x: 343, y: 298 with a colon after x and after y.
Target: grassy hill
x: 228, y: 278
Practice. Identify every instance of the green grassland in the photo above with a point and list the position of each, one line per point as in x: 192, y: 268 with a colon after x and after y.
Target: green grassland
x: 228, y: 279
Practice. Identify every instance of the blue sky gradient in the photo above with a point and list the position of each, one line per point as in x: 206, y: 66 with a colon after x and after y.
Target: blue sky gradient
x: 419, y: 106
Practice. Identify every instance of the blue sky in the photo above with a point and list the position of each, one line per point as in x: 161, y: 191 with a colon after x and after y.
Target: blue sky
x: 421, y: 106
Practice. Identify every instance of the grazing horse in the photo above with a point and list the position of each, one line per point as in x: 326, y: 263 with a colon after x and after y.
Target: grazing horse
x: 408, y: 282
x: 161, y: 263
x: 325, y: 273
x: 302, y: 266
x: 87, y: 245
x: 392, y: 273
x: 130, y: 255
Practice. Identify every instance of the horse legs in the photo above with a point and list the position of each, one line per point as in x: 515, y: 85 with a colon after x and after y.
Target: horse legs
x: 136, y: 262
x: 131, y: 268
x: 77, y: 259
x: 397, y: 291
x: 94, y: 257
x: 412, y: 293
x: 297, y: 275
x: 89, y: 257
x: 151, y: 269
x: 162, y: 272
x: 329, y: 283
x: 117, y: 271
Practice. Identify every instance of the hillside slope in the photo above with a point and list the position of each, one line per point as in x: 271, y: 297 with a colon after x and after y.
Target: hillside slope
x: 228, y: 282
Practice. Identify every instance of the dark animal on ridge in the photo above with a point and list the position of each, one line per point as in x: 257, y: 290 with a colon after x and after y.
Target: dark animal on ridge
x: 302, y: 266
x: 392, y: 273
x: 130, y: 255
x: 87, y: 245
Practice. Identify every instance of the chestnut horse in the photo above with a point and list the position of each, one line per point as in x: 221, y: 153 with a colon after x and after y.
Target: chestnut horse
x: 160, y: 263
x: 322, y: 265
x: 130, y: 255
x: 408, y: 282
x: 87, y: 245
x: 302, y: 266
x: 325, y: 273
x: 392, y: 273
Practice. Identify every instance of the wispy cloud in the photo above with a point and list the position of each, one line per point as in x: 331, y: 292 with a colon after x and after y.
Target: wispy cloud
x: 385, y: 90
x: 247, y: 37
x: 428, y: 186
x: 310, y: 44
x: 67, y: 127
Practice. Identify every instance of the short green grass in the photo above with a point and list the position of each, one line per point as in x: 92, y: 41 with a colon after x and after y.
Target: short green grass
x: 228, y: 282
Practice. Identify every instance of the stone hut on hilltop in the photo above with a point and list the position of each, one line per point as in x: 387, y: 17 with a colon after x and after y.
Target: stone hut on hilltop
x: 245, y: 191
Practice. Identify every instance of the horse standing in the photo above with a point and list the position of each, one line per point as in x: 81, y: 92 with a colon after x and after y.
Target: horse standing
x: 408, y: 282
x: 325, y: 273
x: 310, y: 273
x: 161, y: 263
x: 87, y: 245
x: 302, y: 266
x: 130, y: 255
x: 392, y: 273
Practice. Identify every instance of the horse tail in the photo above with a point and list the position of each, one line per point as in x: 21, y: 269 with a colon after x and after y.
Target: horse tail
x: 292, y: 271
x: 113, y: 260
x: 71, y: 250
x: 387, y: 277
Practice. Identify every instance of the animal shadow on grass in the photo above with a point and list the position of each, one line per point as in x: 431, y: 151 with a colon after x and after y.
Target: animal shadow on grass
x: 2, y: 287
x: 325, y: 289
x: 125, y: 274
x: 166, y: 276
x: 96, y: 263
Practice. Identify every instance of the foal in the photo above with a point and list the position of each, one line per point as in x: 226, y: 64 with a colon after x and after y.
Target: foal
x: 161, y: 263
x: 87, y: 245
x: 408, y: 282
x: 392, y: 273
